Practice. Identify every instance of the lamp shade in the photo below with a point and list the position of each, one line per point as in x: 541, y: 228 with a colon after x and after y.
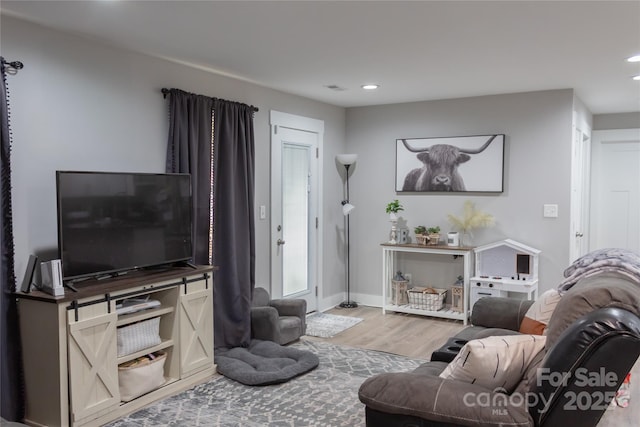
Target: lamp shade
x: 347, y: 159
x: 347, y: 208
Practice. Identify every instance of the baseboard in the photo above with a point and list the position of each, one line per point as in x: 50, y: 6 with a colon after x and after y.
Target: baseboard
x: 362, y: 299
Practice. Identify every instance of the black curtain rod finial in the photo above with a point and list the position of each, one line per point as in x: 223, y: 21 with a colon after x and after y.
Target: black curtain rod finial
x: 16, y: 65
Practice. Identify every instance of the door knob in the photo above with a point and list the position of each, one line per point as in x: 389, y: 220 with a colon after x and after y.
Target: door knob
x: 280, y: 242
x: 579, y: 234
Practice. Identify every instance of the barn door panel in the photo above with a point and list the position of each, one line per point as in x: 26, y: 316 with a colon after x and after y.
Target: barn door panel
x: 196, y: 328
x: 93, y: 373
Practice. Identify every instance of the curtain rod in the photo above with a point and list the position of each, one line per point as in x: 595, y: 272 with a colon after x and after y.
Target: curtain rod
x: 166, y: 91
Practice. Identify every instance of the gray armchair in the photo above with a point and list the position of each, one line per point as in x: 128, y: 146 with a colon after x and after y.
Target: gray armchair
x: 278, y: 320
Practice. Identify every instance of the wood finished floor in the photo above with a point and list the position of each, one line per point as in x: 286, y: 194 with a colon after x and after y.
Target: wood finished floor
x: 417, y: 336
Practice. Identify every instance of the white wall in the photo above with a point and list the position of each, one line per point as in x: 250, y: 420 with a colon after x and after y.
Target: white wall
x: 538, y: 130
x: 82, y: 105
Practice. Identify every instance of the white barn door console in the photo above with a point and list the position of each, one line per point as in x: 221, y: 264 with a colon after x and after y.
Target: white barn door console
x: 74, y: 346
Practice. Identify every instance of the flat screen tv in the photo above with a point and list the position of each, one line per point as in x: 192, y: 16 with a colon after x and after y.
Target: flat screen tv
x: 111, y: 222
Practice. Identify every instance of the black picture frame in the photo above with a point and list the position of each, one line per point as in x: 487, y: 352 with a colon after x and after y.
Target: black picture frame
x: 462, y: 164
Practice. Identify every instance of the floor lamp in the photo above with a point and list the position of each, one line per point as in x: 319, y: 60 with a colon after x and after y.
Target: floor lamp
x: 347, y: 160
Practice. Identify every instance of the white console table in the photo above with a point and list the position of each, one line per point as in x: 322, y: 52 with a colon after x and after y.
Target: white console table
x: 390, y: 254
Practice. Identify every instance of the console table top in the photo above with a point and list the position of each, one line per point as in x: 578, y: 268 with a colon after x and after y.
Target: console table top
x: 93, y: 287
x: 415, y: 245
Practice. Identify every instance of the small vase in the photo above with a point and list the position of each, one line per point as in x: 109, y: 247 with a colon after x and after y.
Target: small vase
x: 464, y: 238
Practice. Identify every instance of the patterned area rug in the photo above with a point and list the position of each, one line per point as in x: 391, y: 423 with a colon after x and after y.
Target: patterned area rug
x: 327, y: 325
x: 324, y: 397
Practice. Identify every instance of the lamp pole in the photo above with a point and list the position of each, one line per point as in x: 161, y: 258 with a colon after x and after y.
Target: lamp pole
x: 348, y: 303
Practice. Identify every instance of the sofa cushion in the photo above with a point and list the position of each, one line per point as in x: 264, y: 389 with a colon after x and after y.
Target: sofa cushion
x: 431, y: 368
x: 537, y: 318
x: 434, y: 401
x: 499, y: 312
x: 495, y: 362
x: 606, y: 289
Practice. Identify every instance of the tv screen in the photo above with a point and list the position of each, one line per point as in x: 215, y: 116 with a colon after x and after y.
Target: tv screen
x: 110, y: 222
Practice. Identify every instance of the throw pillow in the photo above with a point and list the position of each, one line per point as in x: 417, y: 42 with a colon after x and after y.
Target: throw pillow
x: 497, y: 362
x: 537, y: 318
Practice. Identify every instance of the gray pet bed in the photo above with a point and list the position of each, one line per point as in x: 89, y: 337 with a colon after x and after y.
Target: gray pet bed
x: 264, y: 363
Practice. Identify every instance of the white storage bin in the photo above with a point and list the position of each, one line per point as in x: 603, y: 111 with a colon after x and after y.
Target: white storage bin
x: 141, y: 375
x: 138, y: 336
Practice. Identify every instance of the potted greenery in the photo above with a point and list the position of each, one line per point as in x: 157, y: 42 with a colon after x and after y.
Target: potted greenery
x: 421, y: 234
x: 393, y: 208
x: 434, y: 235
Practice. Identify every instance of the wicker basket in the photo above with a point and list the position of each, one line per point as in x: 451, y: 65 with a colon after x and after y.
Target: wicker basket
x: 138, y: 336
x: 431, y: 299
x: 141, y: 375
x: 422, y: 239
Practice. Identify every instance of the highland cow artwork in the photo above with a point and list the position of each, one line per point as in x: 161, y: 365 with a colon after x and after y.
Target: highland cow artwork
x: 450, y: 164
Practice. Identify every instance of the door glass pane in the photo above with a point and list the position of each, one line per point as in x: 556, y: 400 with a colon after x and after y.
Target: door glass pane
x: 295, y: 227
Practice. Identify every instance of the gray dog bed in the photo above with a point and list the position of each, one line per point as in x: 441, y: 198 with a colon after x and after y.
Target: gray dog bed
x: 264, y: 362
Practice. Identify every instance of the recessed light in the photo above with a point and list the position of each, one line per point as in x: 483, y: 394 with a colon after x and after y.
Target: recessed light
x: 635, y: 58
x: 636, y: 77
x: 370, y: 87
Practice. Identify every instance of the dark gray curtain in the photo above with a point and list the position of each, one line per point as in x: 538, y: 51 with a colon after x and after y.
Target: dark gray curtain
x: 234, y: 228
x: 11, y: 394
x: 189, y: 150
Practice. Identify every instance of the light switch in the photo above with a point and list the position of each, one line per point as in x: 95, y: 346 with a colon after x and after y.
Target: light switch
x: 263, y: 212
x: 550, y: 211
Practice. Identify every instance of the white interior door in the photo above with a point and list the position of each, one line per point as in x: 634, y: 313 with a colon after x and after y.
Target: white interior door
x: 294, y: 207
x: 615, y: 199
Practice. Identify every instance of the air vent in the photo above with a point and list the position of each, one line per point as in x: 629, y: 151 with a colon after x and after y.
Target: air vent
x: 335, y: 87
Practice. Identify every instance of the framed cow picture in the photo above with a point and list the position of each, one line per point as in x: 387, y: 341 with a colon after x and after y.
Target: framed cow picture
x: 450, y: 164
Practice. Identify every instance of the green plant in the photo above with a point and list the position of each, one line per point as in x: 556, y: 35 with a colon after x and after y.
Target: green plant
x: 433, y: 230
x: 394, y: 207
x: 421, y: 229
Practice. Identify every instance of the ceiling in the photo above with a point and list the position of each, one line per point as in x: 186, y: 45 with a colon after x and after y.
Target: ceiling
x: 418, y: 50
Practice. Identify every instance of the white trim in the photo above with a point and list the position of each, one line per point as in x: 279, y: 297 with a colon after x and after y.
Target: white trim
x: 292, y: 121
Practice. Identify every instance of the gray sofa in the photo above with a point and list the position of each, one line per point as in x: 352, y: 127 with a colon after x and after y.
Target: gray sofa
x: 595, y: 328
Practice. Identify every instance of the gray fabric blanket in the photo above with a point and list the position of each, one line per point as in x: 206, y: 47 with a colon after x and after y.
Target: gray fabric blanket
x: 264, y: 363
x: 623, y: 261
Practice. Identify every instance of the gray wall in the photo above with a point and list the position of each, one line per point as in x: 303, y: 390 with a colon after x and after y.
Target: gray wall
x: 616, y: 121
x: 82, y: 105
x: 538, y: 129
x: 79, y: 104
